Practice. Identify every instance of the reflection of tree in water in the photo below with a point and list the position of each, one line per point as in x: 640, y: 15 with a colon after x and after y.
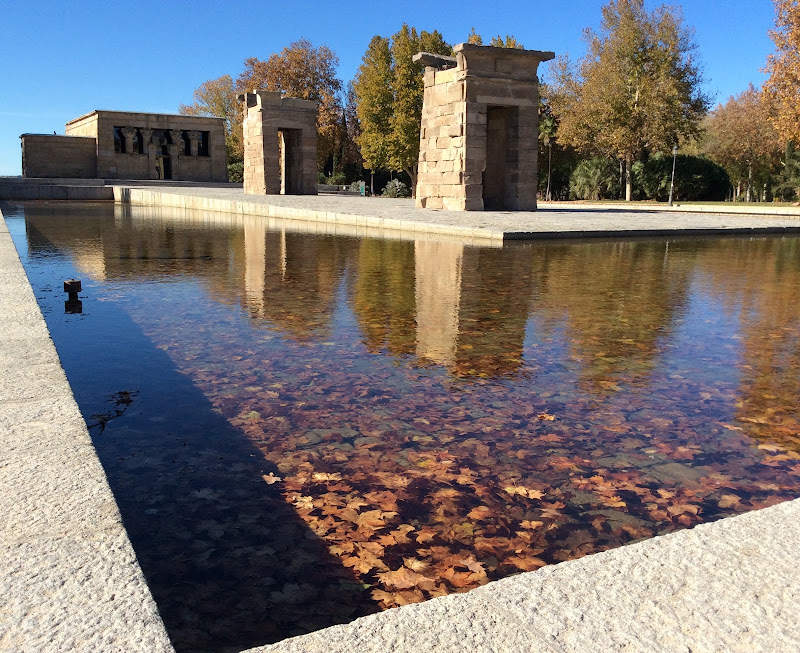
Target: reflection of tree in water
x: 761, y: 278
x: 294, y: 283
x: 384, y: 301
x: 619, y: 301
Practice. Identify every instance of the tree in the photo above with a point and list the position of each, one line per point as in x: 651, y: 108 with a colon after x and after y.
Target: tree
x: 783, y: 67
x: 302, y: 71
x: 497, y: 41
x: 697, y: 179
x: 474, y: 38
x: 740, y: 137
x: 408, y: 89
x: 389, y: 89
x: 547, y: 134
x: 351, y: 155
x: 636, y: 90
x: 217, y: 97
x: 372, y: 87
x: 509, y: 42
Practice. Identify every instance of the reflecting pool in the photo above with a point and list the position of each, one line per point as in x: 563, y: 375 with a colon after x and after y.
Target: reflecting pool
x: 301, y: 429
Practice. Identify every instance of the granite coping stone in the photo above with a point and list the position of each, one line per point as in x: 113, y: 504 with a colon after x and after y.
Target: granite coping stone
x: 552, y: 220
x: 731, y: 585
x: 69, y: 579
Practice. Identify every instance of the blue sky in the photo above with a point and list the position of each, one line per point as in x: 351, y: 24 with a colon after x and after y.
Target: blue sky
x: 59, y: 60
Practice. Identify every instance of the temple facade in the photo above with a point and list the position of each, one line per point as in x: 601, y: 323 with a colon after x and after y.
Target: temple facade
x: 128, y: 145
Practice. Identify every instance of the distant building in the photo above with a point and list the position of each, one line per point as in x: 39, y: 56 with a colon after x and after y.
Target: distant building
x: 125, y: 145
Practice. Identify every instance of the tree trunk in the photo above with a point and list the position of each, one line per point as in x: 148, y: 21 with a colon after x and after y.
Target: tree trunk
x: 547, y: 194
x: 749, y: 193
x: 372, y: 183
x: 411, y: 171
x: 628, y: 178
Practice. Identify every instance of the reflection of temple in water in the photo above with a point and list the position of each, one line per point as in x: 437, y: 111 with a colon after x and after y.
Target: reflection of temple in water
x: 437, y: 302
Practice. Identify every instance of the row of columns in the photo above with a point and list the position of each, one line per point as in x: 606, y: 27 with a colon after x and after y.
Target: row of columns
x: 177, y: 146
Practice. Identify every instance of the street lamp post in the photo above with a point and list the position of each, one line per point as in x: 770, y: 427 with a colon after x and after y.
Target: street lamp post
x: 672, y: 183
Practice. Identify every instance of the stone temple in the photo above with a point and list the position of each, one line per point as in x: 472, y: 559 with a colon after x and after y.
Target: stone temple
x: 130, y: 145
x: 479, y: 132
x: 280, y: 144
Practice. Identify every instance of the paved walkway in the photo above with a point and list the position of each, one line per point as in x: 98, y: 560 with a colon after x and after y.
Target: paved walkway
x: 551, y: 221
x: 69, y: 580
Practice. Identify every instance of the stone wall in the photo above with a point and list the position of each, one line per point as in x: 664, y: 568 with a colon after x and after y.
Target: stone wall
x: 49, y: 155
x: 280, y: 144
x: 134, y: 145
x: 479, y: 131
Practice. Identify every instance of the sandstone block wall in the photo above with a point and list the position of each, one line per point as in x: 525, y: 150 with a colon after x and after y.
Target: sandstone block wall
x: 128, y: 145
x: 479, y: 131
x: 151, y: 138
x: 50, y: 155
x: 280, y: 144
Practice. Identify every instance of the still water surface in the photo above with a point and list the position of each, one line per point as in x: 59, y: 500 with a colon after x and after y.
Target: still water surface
x: 302, y: 429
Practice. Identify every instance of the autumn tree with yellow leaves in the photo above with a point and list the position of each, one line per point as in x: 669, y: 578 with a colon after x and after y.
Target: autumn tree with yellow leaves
x: 304, y: 71
x: 783, y: 67
x: 637, y: 90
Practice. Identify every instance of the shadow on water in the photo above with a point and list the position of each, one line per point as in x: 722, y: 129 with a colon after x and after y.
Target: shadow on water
x: 229, y: 562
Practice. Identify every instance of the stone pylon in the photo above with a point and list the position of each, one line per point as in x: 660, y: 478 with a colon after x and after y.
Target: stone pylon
x: 280, y: 144
x: 479, y: 132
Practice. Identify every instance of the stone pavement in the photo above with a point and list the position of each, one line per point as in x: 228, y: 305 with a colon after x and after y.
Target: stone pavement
x: 551, y: 221
x: 69, y: 579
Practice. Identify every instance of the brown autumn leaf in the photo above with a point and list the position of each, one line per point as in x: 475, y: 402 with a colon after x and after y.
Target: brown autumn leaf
x: 409, y: 596
x: 728, y: 501
x: 404, y: 578
x: 425, y: 536
x: 530, y: 524
x: 523, y: 491
x: 480, y: 512
x: 387, y: 598
x: 324, y: 476
x: 526, y: 563
x: 473, y: 565
x: 415, y: 565
x: 546, y: 417
x: 681, y: 508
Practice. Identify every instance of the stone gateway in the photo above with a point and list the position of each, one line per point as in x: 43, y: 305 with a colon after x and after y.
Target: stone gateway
x: 479, y: 133
x: 280, y: 144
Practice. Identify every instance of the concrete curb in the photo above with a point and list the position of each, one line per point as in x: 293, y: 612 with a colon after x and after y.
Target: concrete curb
x: 677, y: 207
x: 69, y: 578
x: 732, y: 585
x: 479, y: 227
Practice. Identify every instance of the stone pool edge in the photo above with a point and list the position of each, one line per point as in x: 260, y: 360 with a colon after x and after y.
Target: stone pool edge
x: 69, y: 577
x: 729, y: 585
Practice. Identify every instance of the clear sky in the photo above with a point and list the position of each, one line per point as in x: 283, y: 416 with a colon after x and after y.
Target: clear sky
x: 60, y: 60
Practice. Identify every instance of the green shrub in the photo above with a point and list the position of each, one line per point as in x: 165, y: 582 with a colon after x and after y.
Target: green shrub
x: 697, y: 179
x: 395, y: 188
x: 595, y: 179
x: 336, y: 178
x: 236, y: 172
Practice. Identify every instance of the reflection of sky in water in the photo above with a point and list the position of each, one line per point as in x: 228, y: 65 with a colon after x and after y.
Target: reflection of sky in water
x: 301, y: 429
